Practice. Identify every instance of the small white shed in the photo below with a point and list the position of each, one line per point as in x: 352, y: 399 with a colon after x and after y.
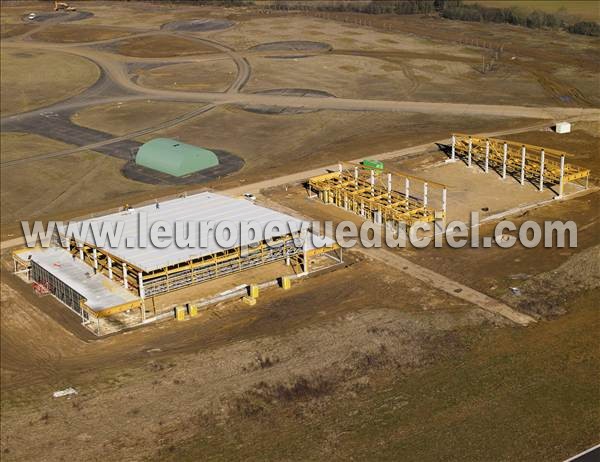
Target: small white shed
x: 562, y: 127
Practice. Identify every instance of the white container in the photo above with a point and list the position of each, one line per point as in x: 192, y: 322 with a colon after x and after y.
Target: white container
x: 562, y: 127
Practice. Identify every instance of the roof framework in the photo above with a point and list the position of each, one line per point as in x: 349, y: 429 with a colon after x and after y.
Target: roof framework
x: 383, y: 196
x: 526, y: 162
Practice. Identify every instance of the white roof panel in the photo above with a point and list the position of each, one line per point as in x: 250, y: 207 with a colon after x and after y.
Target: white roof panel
x: 189, y: 211
x: 99, y: 291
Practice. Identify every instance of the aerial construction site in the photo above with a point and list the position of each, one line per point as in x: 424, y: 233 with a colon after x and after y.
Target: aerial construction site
x: 293, y: 230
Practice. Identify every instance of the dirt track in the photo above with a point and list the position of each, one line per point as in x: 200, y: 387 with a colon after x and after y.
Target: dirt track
x: 115, y: 71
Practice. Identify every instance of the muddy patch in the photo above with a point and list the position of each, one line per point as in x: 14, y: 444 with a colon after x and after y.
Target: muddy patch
x: 284, y: 110
x: 297, y: 45
x: 198, y: 25
x: 228, y: 164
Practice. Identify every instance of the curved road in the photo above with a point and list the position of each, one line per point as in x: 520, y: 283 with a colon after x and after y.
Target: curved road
x: 115, y: 68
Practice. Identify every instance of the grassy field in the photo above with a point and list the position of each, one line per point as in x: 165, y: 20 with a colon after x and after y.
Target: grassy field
x: 74, y: 33
x: 32, y: 79
x: 156, y: 46
x: 586, y: 9
x: 511, y: 395
x: 120, y: 118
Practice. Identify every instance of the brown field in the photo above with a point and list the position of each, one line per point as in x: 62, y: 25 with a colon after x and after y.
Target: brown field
x: 364, y: 361
x: 33, y: 79
x: 11, y: 30
x: 157, y: 46
x: 73, y: 33
x: 210, y: 75
x: 120, y: 118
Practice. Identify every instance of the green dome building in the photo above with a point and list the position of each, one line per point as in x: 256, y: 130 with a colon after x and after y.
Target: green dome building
x: 174, y: 157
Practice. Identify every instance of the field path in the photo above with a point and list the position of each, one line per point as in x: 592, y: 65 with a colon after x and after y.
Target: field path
x: 447, y: 285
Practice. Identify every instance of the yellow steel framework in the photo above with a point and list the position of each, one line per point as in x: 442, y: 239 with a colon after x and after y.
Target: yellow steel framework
x: 536, y: 164
x: 375, y: 194
x: 289, y: 247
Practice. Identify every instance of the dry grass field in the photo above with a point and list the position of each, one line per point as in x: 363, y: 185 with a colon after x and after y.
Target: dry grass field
x: 157, y: 46
x: 203, y: 75
x: 74, y: 33
x: 363, y: 361
x: 33, y: 79
x: 125, y: 117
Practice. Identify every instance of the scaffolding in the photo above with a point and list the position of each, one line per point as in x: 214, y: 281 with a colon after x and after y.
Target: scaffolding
x: 525, y: 162
x: 376, y: 194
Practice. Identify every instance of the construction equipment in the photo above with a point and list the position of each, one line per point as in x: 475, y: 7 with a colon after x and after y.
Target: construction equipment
x: 63, y: 6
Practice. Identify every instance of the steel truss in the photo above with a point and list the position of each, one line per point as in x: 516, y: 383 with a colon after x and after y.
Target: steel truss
x: 289, y: 247
x: 376, y: 195
x: 535, y: 164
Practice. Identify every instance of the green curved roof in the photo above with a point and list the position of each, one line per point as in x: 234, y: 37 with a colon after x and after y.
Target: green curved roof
x: 174, y: 157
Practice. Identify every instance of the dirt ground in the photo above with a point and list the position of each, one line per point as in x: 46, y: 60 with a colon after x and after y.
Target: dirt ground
x: 300, y: 141
x: 172, y: 353
x: 582, y: 144
x: 359, y: 362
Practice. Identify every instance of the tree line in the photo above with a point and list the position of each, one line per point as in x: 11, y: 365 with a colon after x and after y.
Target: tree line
x: 450, y: 9
x: 518, y: 17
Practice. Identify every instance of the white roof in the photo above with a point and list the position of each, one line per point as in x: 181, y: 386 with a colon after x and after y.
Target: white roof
x: 99, y: 291
x: 203, y: 207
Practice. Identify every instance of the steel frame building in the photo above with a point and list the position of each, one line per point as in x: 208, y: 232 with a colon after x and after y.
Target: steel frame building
x: 375, y: 194
x: 148, y: 271
x: 536, y: 164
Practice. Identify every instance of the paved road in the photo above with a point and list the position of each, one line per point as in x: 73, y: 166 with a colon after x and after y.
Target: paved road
x: 115, y: 71
x: 303, y: 175
x: 115, y: 66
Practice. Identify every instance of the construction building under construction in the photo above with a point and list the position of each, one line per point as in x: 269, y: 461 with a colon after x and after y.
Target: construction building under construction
x: 527, y: 163
x: 382, y: 196
x: 98, y: 281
